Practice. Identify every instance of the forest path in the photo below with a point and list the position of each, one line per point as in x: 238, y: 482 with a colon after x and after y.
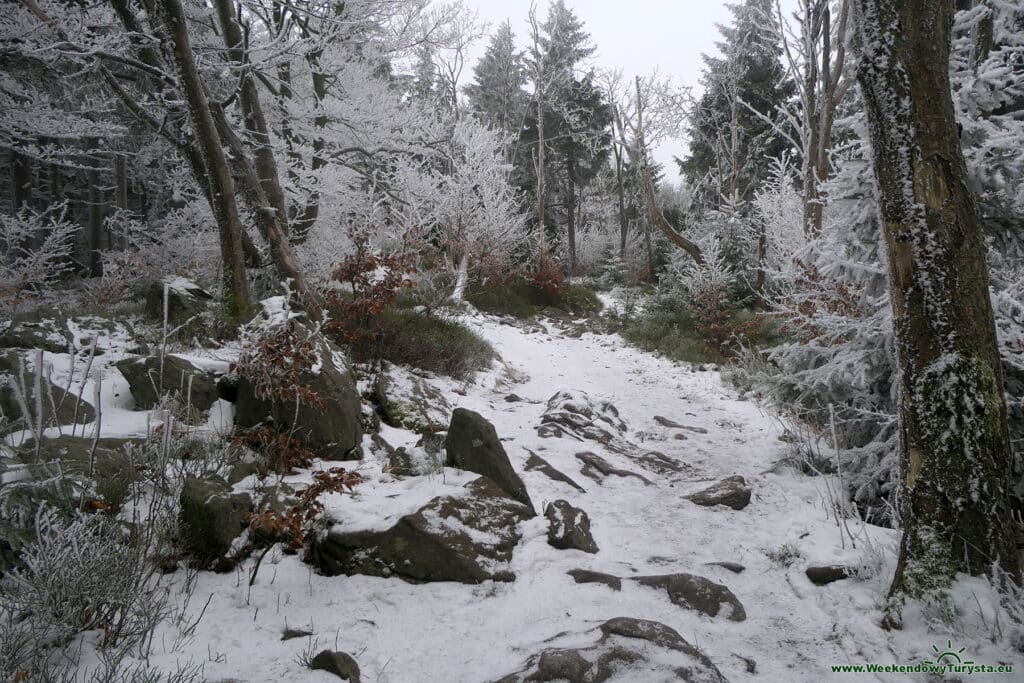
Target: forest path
x: 404, y: 633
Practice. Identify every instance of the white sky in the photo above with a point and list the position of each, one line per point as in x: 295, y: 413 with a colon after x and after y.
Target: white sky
x: 633, y: 35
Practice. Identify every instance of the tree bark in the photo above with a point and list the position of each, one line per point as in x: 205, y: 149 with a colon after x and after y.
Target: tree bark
x: 956, y: 464
x: 621, y: 192
x: 570, y: 201
x: 261, y: 181
x: 96, y: 213
x: 120, y: 199
x: 252, y: 113
x: 221, y: 184
x: 21, y: 182
x: 540, y: 162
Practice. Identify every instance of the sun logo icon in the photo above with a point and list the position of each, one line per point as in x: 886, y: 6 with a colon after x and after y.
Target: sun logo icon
x: 949, y: 655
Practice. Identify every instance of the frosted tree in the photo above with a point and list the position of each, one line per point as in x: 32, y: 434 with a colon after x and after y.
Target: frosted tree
x: 956, y: 457
x: 477, y: 212
x: 814, y: 43
x: 497, y: 93
x: 732, y: 129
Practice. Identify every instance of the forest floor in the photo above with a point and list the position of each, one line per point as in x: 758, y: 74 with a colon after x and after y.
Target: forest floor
x: 450, y: 632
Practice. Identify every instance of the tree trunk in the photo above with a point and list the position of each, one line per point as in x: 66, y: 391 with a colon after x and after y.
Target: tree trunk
x: 812, y: 201
x: 120, y: 199
x: 21, y: 182
x: 252, y: 113
x: 570, y: 201
x: 649, y: 246
x: 956, y: 460
x: 261, y: 182
x: 620, y: 191
x: 222, y: 186
x: 982, y: 37
x: 461, y: 280
x: 96, y: 212
x: 540, y: 164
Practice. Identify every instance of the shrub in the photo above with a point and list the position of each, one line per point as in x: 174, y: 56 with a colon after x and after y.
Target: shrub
x: 523, y: 299
x: 578, y: 300
x: 369, y: 284
x: 546, y: 274
x: 426, y: 342
x: 274, y: 359
x: 511, y: 300
x: 671, y: 333
x: 290, y: 526
x: 79, y: 575
x: 280, y: 453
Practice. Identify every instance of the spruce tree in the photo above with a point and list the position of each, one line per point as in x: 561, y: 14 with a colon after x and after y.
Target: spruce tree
x: 497, y: 95
x: 730, y: 146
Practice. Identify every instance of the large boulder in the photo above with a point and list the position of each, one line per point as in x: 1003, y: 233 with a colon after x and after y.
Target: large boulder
x: 733, y: 492
x: 68, y: 408
x: 212, y: 517
x: 341, y: 664
x: 149, y: 380
x: 186, y: 303
x: 48, y: 335
x: 624, y: 648
x: 472, y: 444
x: 697, y: 593
x: 467, y: 537
x: 407, y: 401
x: 334, y: 431
x: 569, y: 527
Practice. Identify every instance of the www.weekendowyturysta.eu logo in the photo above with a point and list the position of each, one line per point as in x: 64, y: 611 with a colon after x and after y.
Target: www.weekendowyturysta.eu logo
x: 949, y: 656
x: 943, y: 659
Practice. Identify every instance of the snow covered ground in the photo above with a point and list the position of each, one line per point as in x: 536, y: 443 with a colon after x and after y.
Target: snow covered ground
x: 400, y: 632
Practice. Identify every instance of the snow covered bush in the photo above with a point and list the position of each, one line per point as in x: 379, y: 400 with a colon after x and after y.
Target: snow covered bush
x: 35, y: 254
x: 830, y: 294
x: 477, y: 212
x: 183, y: 242
x: 778, y: 220
x: 79, y: 575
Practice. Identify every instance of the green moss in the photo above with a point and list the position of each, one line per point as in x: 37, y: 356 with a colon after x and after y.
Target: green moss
x: 954, y: 505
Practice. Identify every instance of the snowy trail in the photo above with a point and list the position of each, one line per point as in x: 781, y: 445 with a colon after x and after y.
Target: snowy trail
x: 449, y: 632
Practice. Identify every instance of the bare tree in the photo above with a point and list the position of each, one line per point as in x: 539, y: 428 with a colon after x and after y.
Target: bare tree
x: 815, y: 50
x: 661, y: 102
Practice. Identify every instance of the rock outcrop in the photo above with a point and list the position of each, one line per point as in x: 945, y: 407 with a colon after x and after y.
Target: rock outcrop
x: 466, y: 537
x: 623, y: 647
x: 472, y: 445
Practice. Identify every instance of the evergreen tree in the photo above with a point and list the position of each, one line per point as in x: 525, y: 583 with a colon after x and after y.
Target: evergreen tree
x: 497, y: 95
x: 576, y: 119
x: 730, y: 145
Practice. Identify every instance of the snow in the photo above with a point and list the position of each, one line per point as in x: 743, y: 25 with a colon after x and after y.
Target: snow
x: 404, y: 633
x: 378, y: 507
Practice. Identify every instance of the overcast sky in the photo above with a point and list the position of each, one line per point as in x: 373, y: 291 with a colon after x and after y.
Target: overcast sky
x: 632, y: 35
